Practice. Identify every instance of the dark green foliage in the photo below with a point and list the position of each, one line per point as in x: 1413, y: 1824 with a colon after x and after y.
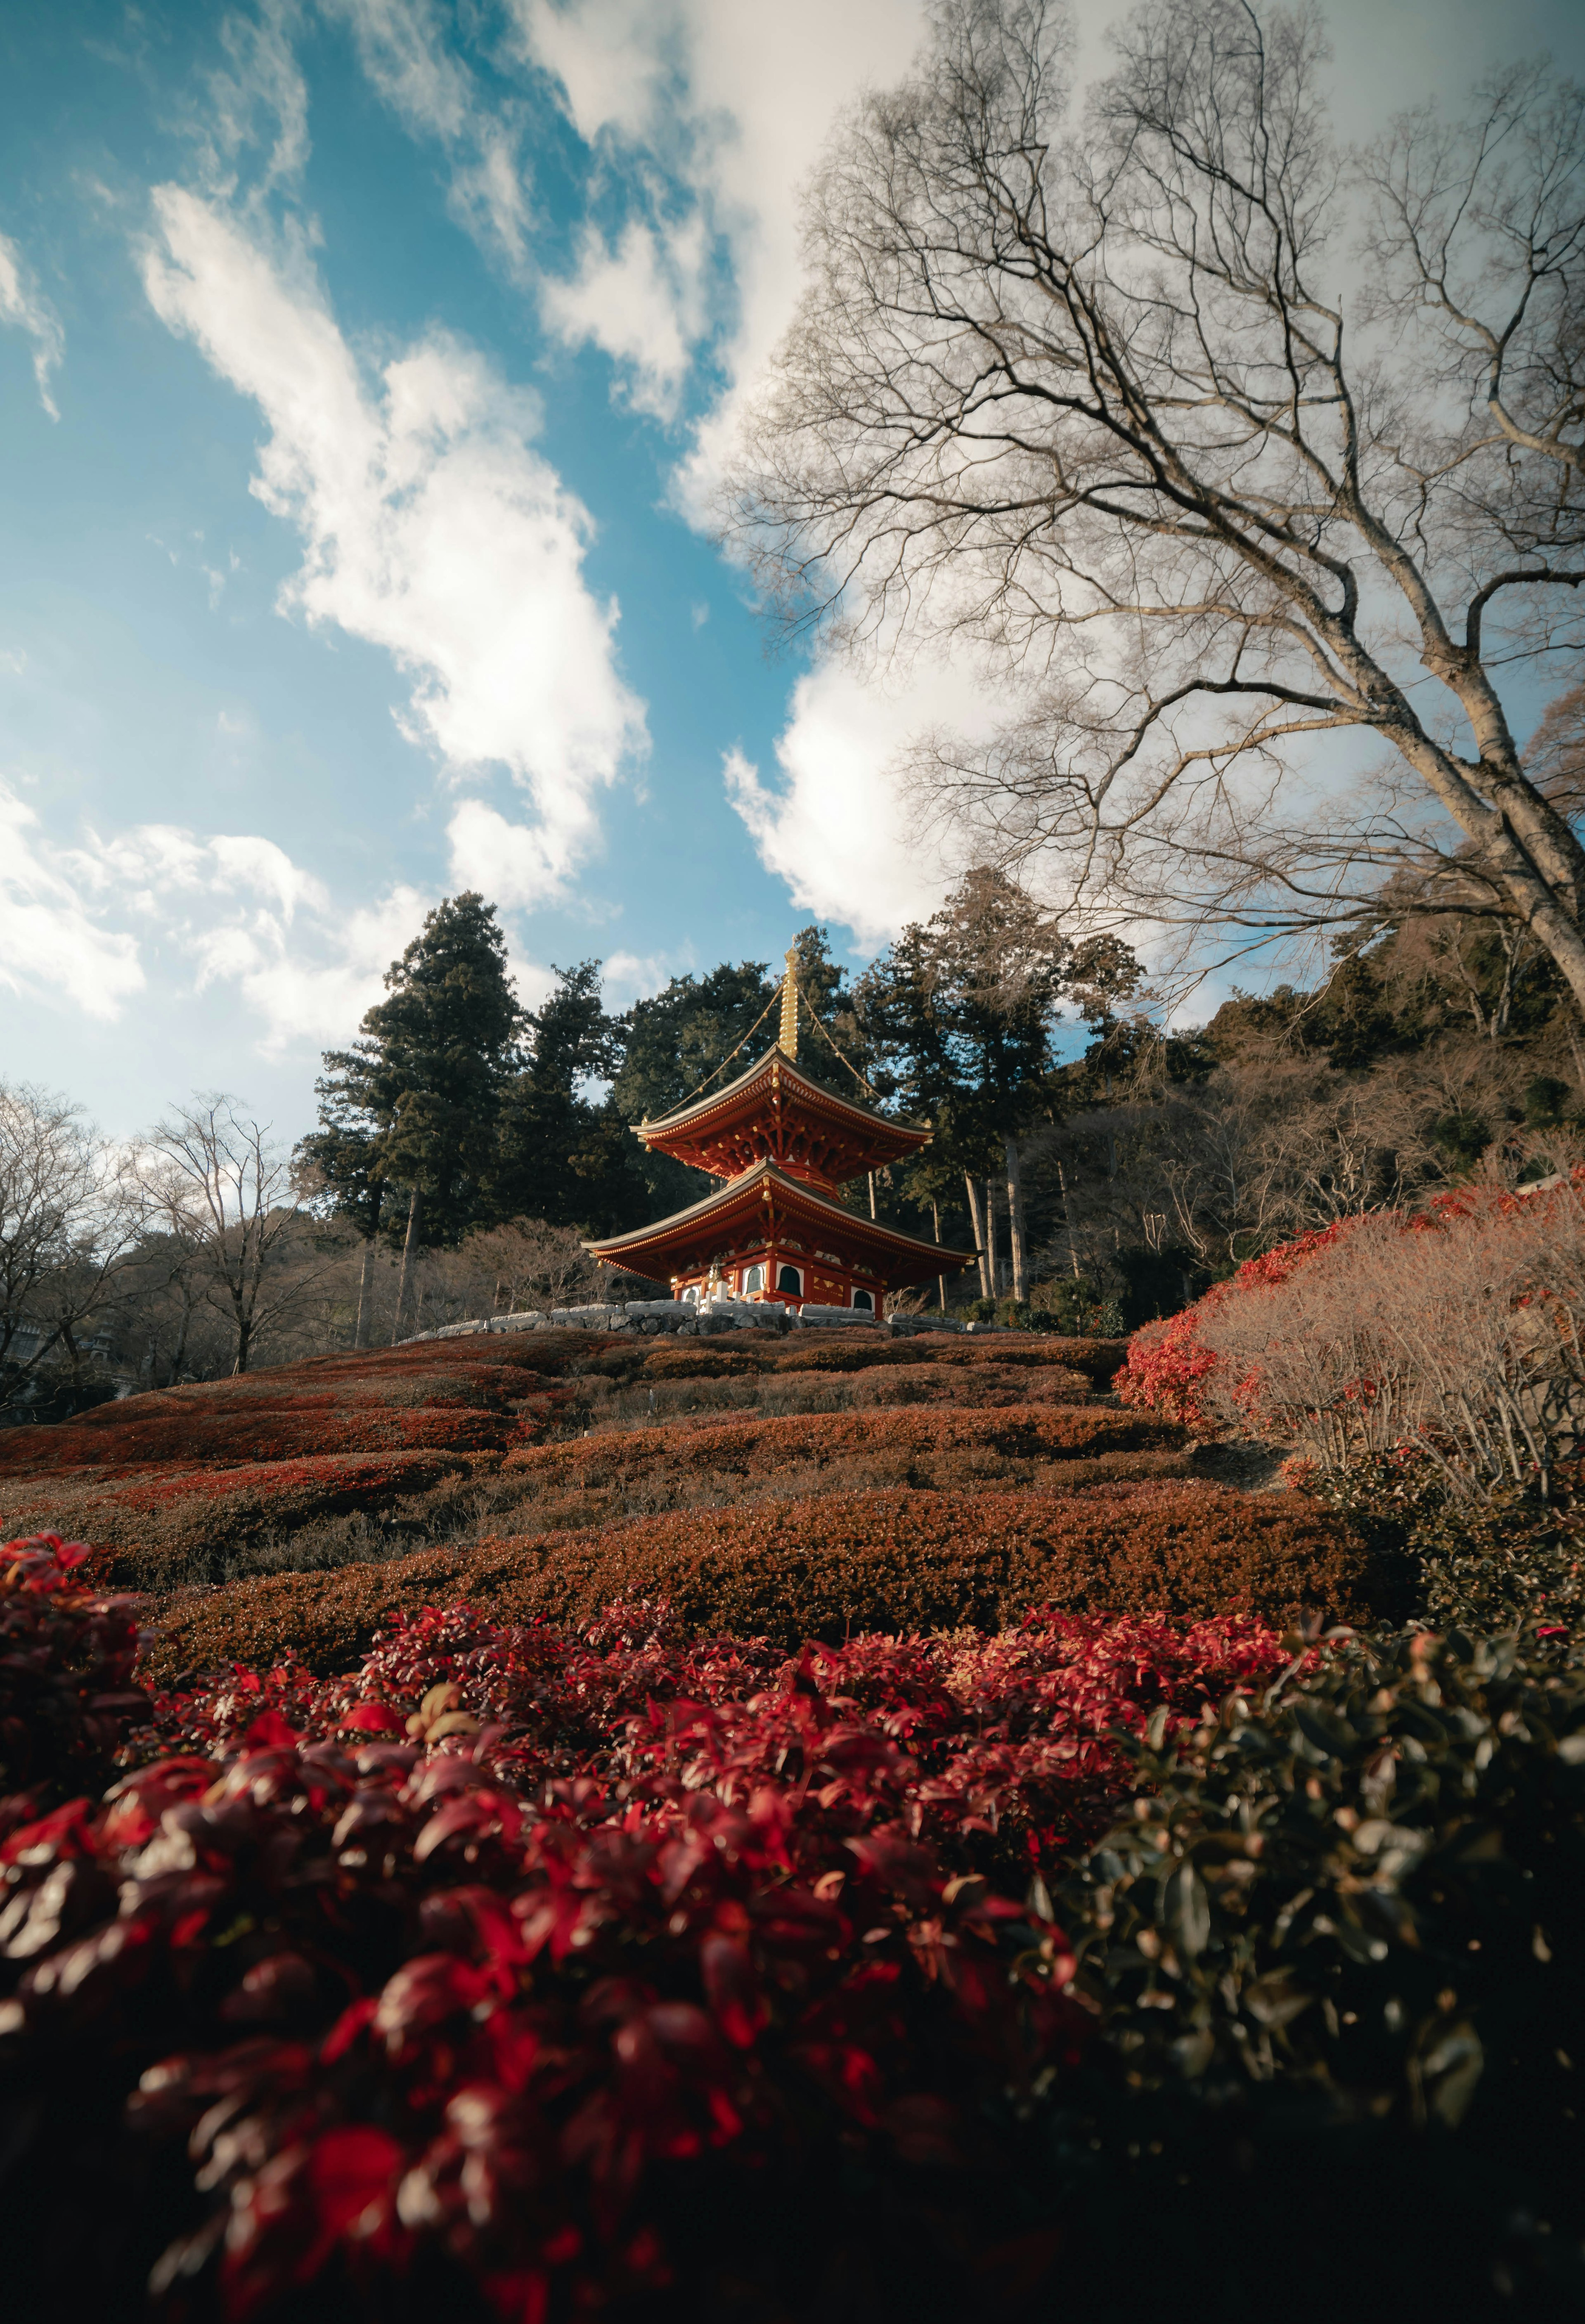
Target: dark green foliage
x: 412, y: 1106
x: 965, y: 1008
x: 1513, y: 1563
x: 1545, y: 1100
x: 1335, y: 1952
x: 677, y: 1039
x: 1522, y: 1562
x: 1463, y: 1137
x: 1157, y: 1282
x: 562, y: 1154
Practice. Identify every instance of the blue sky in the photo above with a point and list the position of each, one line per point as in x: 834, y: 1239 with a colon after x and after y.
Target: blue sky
x: 364, y: 368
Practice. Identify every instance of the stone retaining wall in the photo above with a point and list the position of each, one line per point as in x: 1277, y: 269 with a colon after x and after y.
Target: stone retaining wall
x: 683, y: 1316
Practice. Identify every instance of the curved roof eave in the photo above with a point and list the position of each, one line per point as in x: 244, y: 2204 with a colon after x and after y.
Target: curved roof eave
x: 729, y: 1198
x: 700, y: 1108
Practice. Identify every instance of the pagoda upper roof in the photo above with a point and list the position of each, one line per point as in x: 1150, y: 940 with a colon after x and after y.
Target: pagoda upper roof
x: 765, y: 1206
x: 776, y: 1111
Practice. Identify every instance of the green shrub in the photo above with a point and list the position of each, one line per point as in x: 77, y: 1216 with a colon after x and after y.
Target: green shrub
x: 1510, y: 1565
x: 1335, y: 1951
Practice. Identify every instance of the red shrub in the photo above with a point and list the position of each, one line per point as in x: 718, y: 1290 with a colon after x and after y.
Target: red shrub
x: 1168, y: 1363
x: 66, y: 1670
x: 637, y: 1965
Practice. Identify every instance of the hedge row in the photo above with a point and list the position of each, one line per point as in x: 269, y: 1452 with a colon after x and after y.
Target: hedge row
x: 763, y: 1444
x: 478, y: 1394
x: 466, y: 1408
x: 821, y: 1568
x: 779, y: 1387
x: 156, y: 1522
x: 229, y: 1440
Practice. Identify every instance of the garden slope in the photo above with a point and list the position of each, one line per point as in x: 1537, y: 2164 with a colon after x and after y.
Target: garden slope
x: 789, y: 1488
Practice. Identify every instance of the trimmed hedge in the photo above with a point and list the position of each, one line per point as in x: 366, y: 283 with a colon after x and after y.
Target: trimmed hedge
x: 761, y: 1445
x: 888, y: 1561
x: 155, y: 1525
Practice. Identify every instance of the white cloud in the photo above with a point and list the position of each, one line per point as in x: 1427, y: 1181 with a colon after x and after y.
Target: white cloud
x: 837, y: 827
x: 51, y: 942
x: 238, y: 910
x: 256, y: 102
x: 431, y: 527
x: 643, y: 303
x: 732, y: 102
x: 22, y: 302
x: 510, y: 863
x: 313, y: 992
x: 630, y: 976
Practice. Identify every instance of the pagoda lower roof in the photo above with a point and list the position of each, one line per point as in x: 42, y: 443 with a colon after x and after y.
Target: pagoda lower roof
x: 776, y: 1111
x: 766, y: 1208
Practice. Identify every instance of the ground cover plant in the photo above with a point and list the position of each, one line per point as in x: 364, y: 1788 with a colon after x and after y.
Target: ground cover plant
x: 540, y: 1971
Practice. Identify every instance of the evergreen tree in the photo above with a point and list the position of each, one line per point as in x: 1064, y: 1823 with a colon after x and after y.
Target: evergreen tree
x: 673, y: 1041
x: 413, y: 1106
x: 563, y: 1155
x: 967, y: 1003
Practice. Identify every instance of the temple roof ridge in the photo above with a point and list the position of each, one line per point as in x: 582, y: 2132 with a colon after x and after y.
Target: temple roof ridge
x: 777, y: 1057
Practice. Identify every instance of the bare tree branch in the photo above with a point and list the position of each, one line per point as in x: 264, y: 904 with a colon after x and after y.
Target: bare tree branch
x: 1084, y: 395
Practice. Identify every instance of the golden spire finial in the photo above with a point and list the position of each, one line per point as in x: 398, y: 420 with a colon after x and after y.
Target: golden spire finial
x: 788, y: 1038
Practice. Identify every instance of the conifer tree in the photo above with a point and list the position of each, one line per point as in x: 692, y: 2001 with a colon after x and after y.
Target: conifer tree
x: 413, y: 1106
x: 564, y: 1154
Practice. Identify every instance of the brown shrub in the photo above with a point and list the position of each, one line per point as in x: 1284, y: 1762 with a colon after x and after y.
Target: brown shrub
x: 697, y: 1360
x: 155, y: 1527
x: 764, y: 1445
x: 228, y: 1439
x: 335, y: 1404
x: 877, y: 1559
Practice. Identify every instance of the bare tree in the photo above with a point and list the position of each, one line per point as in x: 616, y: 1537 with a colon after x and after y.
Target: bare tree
x: 225, y: 1194
x: 70, y: 1218
x: 1085, y: 396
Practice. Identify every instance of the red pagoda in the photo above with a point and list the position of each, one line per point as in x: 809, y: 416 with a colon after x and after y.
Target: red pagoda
x: 775, y: 1230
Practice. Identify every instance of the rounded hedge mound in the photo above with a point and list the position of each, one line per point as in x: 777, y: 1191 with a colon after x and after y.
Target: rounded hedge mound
x: 884, y: 1561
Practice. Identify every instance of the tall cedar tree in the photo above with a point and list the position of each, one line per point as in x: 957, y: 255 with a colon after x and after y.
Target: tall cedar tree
x: 968, y: 1005
x: 413, y: 1106
x: 562, y: 1154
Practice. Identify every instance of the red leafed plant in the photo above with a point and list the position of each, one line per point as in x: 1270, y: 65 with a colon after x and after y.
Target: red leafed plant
x: 1168, y: 1365
x: 66, y: 1668
x: 523, y: 1972
x: 1457, y: 1332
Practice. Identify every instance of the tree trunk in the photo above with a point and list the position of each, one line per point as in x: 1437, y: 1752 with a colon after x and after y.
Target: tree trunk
x: 409, y: 1250
x: 245, y: 1339
x: 980, y: 1241
x: 177, y: 1359
x: 1015, y: 1216
x: 871, y: 1194
x: 935, y: 1231
x: 992, y: 1258
x: 367, y: 1273
x: 360, y: 1338
x: 1068, y: 1218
